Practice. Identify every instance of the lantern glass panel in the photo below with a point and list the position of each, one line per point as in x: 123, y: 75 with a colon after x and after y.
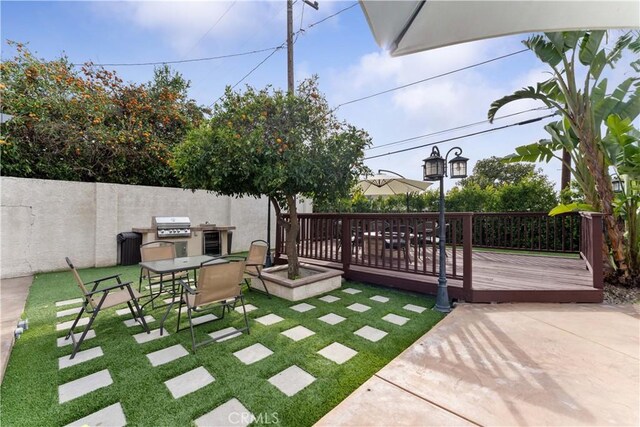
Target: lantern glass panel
x: 433, y: 168
x: 458, y: 169
x: 617, y: 185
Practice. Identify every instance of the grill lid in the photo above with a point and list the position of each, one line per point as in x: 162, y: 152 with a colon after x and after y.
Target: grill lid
x: 171, y: 221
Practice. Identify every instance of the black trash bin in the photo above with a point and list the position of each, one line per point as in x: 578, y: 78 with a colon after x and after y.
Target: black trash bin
x: 129, y: 248
x: 229, y: 240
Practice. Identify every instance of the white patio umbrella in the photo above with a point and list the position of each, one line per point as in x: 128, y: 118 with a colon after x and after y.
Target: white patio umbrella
x: 405, y: 27
x: 388, y: 185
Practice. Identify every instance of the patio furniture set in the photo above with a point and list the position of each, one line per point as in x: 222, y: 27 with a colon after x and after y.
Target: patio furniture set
x: 199, y: 283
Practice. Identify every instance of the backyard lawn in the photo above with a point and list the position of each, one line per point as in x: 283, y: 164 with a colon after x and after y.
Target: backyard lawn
x: 130, y: 380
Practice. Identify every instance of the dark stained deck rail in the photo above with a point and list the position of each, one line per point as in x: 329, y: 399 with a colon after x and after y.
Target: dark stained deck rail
x: 591, y: 245
x: 402, y: 249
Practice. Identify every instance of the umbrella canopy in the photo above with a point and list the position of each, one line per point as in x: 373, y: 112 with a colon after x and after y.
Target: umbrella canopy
x: 405, y: 27
x: 388, y: 185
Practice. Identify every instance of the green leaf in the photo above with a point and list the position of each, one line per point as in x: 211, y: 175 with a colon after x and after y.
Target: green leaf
x: 572, y: 207
x: 589, y: 46
x: 525, y: 93
x: 544, y: 50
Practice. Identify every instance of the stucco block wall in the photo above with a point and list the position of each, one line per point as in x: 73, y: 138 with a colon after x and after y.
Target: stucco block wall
x: 43, y: 221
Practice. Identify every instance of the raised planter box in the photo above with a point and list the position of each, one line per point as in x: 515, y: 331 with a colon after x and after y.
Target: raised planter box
x: 314, y: 280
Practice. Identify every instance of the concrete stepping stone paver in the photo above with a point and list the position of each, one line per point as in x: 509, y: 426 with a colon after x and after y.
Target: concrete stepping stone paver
x: 292, y: 380
x: 81, y: 356
x: 360, y: 308
x: 61, y: 342
x: 66, y: 325
x: 298, y: 333
x: 414, y: 308
x: 189, y: 382
x: 395, y: 319
x: 351, y: 291
x: 337, y: 352
x: 144, y: 337
x: 84, y: 385
x: 371, y: 334
x: 69, y: 302
x: 379, y: 298
x: 303, y: 307
x: 68, y: 312
x: 253, y: 354
x: 225, y: 331
x: 329, y: 298
x: 123, y: 311
x: 134, y: 322
x: 167, y: 355
x: 112, y: 416
x: 204, y: 319
x: 248, y: 307
x: 229, y: 414
x: 269, y: 319
x: 332, y: 318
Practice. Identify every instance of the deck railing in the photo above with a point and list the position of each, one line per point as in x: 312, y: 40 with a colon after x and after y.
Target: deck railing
x: 530, y: 231
x: 591, y: 245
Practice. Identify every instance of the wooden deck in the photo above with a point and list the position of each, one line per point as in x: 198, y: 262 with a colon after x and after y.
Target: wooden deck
x: 497, y: 277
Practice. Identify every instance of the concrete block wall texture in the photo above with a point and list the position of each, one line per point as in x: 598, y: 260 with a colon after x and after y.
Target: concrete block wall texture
x: 42, y: 221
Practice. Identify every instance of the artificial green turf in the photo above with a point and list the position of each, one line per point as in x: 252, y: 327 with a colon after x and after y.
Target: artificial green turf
x: 29, y: 394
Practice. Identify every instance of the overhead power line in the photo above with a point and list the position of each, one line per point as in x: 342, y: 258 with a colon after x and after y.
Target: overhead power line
x: 426, y: 135
x: 215, y: 24
x: 525, y: 122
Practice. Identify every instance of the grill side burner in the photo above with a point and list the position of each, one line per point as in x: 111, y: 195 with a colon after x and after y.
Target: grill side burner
x: 172, y: 226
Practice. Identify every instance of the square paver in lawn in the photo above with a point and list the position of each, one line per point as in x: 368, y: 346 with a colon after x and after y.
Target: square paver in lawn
x: 81, y: 356
x: 144, y: 337
x: 302, y: 308
x: 269, y: 319
x: 395, y: 319
x: 351, y: 291
x: 112, y: 416
x: 337, y: 352
x: 68, y: 312
x: 329, y: 298
x: 332, y: 318
x: 215, y: 335
x: 298, y: 333
x: 379, y: 298
x: 69, y: 302
x: 135, y: 322
x: 291, y: 380
x: 414, y: 308
x: 248, y: 308
x: 84, y: 385
x: 61, y: 342
x: 360, y: 308
x: 253, y: 354
x: 167, y: 355
x: 371, y: 334
x: 66, y: 325
x: 189, y: 382
x: 232, y: 414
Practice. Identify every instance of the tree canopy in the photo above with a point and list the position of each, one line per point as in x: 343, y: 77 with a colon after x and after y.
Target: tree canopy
x: 269, y: 142
x: 87, y: 124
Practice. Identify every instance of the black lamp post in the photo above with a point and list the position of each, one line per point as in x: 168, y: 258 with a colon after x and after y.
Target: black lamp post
x: 617, y: 184
x: 434, y: 169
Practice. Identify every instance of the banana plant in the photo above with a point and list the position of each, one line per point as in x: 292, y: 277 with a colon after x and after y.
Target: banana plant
x: 585, y: 106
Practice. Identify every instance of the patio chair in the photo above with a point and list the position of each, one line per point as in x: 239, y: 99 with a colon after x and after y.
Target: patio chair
x: 98, y: 299
x: 218, y: 286
x: 155, y: 251
x: 254, y: 262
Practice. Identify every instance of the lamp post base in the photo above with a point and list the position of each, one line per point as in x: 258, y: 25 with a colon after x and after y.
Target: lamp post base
x: 442, y: 297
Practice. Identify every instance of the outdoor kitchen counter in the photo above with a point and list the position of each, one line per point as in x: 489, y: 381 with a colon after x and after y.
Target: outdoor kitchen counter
x: 192, y: 245
x: 201, y: 227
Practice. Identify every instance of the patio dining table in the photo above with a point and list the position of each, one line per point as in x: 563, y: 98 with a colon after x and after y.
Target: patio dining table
x: 176, y: 265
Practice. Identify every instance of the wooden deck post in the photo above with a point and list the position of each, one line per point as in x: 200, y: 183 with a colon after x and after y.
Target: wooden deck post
x: 346, y: 243
x: 596, y: 250
x: 467, y: 255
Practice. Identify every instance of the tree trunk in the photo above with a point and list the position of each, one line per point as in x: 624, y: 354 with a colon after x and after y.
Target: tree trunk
x: 566, y: 169
x: 293, y: 270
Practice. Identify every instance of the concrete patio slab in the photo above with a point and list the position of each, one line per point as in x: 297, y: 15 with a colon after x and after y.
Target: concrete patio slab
x: 189, y: 382
x: 357, y: 307
x: 395, y: 319
x: 134, y: 322
x: 144, y: 337
x: 351, y: 291
x: 84, y: 385
x: 269, y: 319
x: 414, y: 308
x: 248, y: 308
x: 292, y: 380
x: 379, y: 298
x: 332, y: 318
x: 68, y: 312
x: 513, y: 364
x: 64, y: 326
x: 67, y: 301
x: 14, y: 295
x: 112, y: 416
x: 303, y: 307
x: 371, y: 334
x: 225, y: 331
x: 230, y: 414
x: 204, y: 319
x: 253, y: 354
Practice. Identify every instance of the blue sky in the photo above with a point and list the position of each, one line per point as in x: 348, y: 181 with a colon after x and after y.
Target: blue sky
x: 340, y: 50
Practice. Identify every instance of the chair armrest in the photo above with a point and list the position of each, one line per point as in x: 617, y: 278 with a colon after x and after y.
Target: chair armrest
x: 235, y: 257
x: 110, y: 288
x: 115, y: 276
x: 187, y: 288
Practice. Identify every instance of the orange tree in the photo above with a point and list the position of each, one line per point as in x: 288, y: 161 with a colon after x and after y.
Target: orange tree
x: 88, y: 125
x: 268, y: 142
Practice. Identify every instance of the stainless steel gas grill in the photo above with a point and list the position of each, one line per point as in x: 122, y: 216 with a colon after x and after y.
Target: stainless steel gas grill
x: 172, y: 226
